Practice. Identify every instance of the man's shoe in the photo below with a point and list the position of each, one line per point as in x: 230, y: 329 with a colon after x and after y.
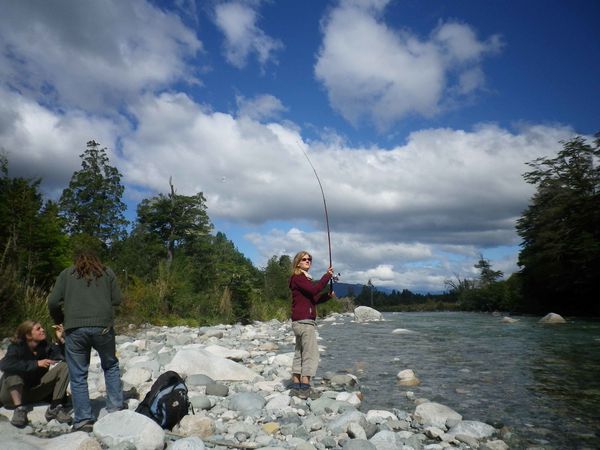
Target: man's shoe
x: 59, y: 413
x: 85, y: 425
x: 19, y: 418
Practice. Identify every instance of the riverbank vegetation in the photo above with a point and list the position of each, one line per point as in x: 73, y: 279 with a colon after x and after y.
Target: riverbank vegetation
x: 174, y: 268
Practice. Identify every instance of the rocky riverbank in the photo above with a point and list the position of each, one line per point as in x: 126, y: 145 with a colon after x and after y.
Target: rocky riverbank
x: 238, y: 384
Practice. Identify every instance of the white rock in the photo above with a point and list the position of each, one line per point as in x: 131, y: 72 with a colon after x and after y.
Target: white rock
x: 283, y: 359
x: 379, y: 416
x: 435, y: 414
x: 473, y: 428
x: 407, y: 377
x: 129, y: 427
x: 494, y: 445
x: 189, y: 361
x: 355, y: 431
x: 552, y: 318
x: 196, y: 425
x: 136, y: 376
x: 349, y: 397
x: 233, y: 354
x: 366, y: 314
x: 188, y: 443
x: 507, y: 319
x: 278, y: 402
x: 75, y: 440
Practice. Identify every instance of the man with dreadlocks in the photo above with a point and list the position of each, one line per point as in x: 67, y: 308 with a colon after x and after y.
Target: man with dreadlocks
x: 84, y: 298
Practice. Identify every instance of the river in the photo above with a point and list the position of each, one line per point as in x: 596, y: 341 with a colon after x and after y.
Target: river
x: 540, y: 381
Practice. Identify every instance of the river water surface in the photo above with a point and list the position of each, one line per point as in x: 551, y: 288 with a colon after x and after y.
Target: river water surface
x: 540, y: 381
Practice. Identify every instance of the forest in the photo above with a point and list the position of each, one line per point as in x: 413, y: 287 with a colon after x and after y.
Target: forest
x: 174, y: 268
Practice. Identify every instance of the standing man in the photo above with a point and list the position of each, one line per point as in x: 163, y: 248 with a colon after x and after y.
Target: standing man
x: 84, y: 297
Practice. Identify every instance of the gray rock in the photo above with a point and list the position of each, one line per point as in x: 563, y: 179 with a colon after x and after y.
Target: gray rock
x: 494, y: 445
x: 366, y: 314
x: 473, y: 428
x: 386, y: 440
x: 358, y: 444
x: 198, y: 379
x: 340, y: 424
x: 342, y: 381
x: 247, y: 403
x: 435, y: 414
x: 217, y: 389
x: 128, y: 426
x: 201, y: 402
x: 189, y: 443
x: 305, y: 446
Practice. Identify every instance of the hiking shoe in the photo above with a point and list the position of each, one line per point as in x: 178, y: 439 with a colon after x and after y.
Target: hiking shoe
x: 19, y: 418
x: 59, y: 413
x: 84, y: 425
x: 304, y: 391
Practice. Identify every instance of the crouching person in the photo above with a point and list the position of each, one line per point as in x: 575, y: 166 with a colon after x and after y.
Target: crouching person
x: 28, y: 376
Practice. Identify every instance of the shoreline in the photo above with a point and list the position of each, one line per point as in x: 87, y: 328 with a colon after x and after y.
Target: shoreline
x: 238, y: 379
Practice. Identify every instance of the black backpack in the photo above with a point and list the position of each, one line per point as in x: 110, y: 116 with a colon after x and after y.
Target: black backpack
x: 167, y: 401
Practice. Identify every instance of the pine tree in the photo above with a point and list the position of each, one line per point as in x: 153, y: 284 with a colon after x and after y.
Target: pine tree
x: 92, y: 205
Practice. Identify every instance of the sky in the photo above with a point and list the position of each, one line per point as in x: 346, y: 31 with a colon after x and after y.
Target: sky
x: 419, y: 117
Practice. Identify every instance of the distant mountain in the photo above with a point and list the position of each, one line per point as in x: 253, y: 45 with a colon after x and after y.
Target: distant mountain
x: 347, y: 289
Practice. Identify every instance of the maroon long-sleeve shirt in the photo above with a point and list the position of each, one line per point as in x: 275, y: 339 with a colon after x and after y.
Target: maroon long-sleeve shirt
x: 305, y: 296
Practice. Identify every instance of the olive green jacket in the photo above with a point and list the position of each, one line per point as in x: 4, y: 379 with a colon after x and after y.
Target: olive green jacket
x: 78, y: 304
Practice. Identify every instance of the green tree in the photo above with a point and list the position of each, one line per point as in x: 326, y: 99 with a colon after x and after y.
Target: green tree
x: 32, y: 245
x: 31, y: 239
x: 487, y: 276
x: 177, y: 220
x: 560, y: 255
x: 277, y: 275
x: 92, y: 203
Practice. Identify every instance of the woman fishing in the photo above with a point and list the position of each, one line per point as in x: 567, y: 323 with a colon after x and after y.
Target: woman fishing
x: 305, y: 296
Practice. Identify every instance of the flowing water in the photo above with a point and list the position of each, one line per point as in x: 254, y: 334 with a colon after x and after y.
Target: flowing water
x: 540, y: 381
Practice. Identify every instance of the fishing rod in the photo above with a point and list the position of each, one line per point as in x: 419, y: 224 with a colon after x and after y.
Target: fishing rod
x: 326, y: 213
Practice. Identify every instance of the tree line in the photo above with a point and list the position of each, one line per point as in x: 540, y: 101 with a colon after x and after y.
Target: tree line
x: 174, y: 268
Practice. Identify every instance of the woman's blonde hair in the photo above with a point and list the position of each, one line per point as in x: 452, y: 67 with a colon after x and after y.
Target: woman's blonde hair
x: 295, y: 269
x: 23, y: 330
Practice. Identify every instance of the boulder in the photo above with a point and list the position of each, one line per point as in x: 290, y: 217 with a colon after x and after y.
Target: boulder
x: 407, y: 378
x: 366, y: 314
x: 473, y: 428
x: 435, y: 414
x: 552, y: 318
x: 194, y: 360
x: 195, y: 425
x: 233, y: 354
x: 128, y: 427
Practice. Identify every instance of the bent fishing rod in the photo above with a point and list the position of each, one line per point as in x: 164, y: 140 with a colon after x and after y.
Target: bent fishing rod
x: 326, y: 213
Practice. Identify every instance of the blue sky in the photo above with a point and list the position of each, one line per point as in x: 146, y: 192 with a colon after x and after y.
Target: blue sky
x: 419, y: 117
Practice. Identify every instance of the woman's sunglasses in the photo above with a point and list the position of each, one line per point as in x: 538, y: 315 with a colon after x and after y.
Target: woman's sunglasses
x: 306, y: 259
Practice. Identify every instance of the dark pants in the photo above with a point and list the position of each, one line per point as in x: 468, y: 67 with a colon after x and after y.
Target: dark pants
x: 53, y: 386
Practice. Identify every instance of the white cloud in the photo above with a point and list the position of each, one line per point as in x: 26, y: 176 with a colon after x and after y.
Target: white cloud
x: 382, y: 74
x: 46, y: 143
x: 238, y: 22
x: 260, y: 107
x: 419, y: 210
x: 92, y: 55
